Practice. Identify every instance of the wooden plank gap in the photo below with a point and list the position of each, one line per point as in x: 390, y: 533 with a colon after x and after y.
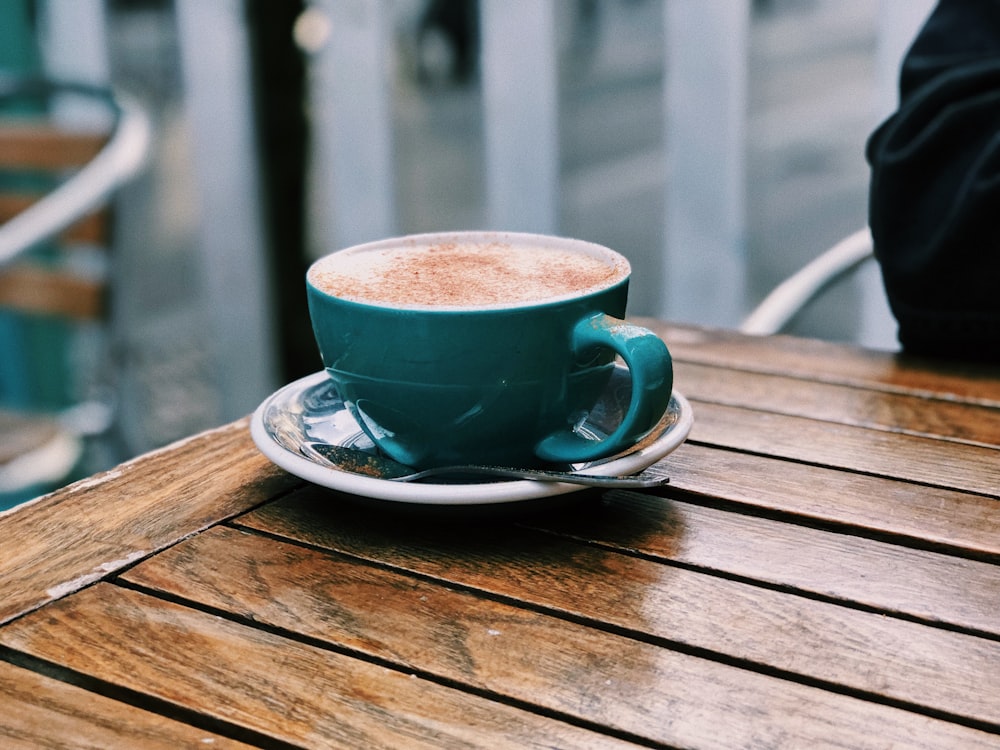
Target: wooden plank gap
x: 846, y: 528
x: 139, y: 700
x: 958, y: 422
x: 829, y: 362
x: 339, y: 609
x: 920, y: 460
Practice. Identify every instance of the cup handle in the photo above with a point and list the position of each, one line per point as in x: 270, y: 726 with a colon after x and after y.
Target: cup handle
x: 651, y: 368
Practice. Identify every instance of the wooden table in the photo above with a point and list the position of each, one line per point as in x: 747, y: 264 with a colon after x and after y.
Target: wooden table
x: 823, y: 570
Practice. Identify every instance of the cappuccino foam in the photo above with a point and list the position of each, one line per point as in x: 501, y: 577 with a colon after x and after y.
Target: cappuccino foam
x: 463, y: 274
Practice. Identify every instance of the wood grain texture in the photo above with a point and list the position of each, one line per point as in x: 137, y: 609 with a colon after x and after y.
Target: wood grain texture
x: 280, y: 688
x: 828, y: 362
x: 920, y: 584
x: 621, y: 682
x: 41, y: 712
x: 737, y: 620
x: 823, y: 571
x: 971, y: 468
x: 86, y: 531
x: 962, y: 521
x: 849, y: 405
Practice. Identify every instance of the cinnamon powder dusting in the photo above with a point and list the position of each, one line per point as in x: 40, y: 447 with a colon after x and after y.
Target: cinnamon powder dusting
x: 462, y: 274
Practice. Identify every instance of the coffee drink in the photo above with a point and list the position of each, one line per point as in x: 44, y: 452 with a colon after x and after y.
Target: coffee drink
x: 484, y: 347
x: 464, y: 274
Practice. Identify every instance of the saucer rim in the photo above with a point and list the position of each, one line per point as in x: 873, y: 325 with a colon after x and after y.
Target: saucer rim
x: 458, y: 494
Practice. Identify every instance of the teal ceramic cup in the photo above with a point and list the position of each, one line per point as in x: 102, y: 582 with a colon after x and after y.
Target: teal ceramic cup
x: 503, y: 381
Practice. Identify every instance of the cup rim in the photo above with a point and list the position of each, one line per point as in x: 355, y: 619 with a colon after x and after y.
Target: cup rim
x: 618, y: 261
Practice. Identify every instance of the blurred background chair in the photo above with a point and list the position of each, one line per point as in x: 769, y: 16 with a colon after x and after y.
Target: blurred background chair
x: 777, y: 310
x: 56, y: 179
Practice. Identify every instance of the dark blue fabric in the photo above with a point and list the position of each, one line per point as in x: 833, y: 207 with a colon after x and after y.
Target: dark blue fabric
x: 934, y: 207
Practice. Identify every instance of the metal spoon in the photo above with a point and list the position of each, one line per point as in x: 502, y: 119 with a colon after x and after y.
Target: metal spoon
x: 380, y: 467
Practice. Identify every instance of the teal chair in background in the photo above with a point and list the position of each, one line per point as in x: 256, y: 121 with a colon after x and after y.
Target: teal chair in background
x: 56, y: 181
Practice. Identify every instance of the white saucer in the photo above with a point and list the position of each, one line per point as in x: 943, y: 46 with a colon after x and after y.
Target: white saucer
x: 311, y: 411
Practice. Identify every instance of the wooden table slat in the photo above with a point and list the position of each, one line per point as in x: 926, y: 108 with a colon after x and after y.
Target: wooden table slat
x: 652, y: 600
x: 907, y: 413
x: 88, y: 530
x: 966, y: 523
x: 823, y: 570
x: 41, y: 712
x: 781, y: 710
x: 831, y: 362
x: 280, y: 688
x: 916, y: 583
x: 971, y: 468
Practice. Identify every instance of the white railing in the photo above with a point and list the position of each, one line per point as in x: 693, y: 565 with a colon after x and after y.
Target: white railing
x: 700, y: 273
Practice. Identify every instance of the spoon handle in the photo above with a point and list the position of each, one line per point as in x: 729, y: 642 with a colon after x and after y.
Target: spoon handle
x: 544, y: 475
